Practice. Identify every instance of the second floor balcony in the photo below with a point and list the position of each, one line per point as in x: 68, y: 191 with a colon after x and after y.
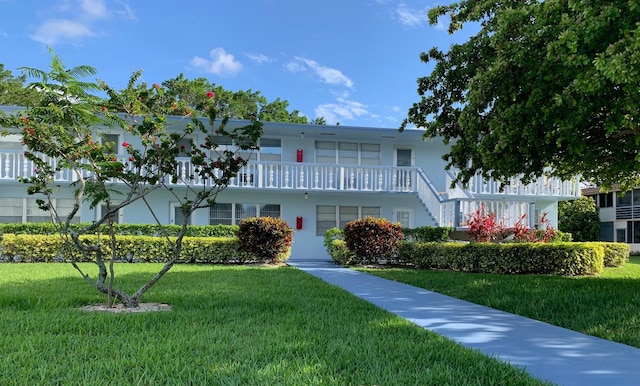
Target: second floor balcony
x: 325, y: 177
x: 258, y: 175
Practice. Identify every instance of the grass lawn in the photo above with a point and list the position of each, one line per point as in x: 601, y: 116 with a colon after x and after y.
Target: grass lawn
x: 607, y: 306
x: 229, y: 326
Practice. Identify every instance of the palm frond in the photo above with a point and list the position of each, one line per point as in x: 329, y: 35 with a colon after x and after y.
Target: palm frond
x: 35, y: 73
x: 82, y: 71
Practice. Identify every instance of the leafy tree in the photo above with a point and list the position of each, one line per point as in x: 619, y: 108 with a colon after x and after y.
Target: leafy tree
x: 62, y: 127
x: 13, y: 92
x: 580, y: 218
x: 543, y: 87
x: 277, y: 111
x: 180, y: 94
x: 319, y: 121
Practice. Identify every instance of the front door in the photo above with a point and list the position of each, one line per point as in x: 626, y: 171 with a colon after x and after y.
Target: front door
x: 404, y: 161
x: 177, y: 217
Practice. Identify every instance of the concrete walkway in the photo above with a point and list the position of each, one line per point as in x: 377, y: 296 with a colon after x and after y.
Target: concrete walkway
x: 548, y: 352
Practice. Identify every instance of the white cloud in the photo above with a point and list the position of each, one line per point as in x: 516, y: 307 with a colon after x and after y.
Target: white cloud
x: 294, y: 67
x: 55, y: 30
x: 94, y: 9
x: 73, y: 20
x: 341, y: 111
x: 259, y: 58
x: 125, y: 11
x: 221, y: 63
x: 326, y: 74
x: 410, y: 17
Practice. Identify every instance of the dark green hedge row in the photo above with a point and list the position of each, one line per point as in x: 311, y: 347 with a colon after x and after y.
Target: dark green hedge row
x: 50, y: 248
x: 615, y: 254
x: 422, y: 234
x: 427, y: 233
x: 126, y: 229
x: 568, y: 259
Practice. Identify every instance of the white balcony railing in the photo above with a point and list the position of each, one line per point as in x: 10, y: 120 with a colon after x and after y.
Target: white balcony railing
x: 544, y: 186
x: 447, y: 208
x: 285, y: 175
x: 264, y: 175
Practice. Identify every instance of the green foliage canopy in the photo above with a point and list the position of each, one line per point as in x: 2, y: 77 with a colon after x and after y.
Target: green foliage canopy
x: 580, y: 218
x: 13, y: 92
x: 544, y: 87
x: 179, y: 95
x: 175, y: 96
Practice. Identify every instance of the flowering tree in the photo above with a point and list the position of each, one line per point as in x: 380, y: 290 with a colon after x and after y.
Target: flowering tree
x: 60, y: 136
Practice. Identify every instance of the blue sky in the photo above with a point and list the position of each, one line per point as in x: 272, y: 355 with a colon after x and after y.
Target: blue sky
x: 351, y: 61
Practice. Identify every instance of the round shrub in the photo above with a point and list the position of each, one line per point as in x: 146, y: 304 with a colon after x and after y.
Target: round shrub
x: 267, y: 239
x: 373, y: 239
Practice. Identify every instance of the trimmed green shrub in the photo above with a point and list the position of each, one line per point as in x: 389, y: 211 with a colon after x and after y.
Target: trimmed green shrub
x: 265, y: 238
x: 615, y: 254
x: 427, y: 233
x: 568, y: 259
x: 372, y: 239
x: 48, y: 228
x: 329, y: 236
x: 340, y: 254
x: 50, y: 248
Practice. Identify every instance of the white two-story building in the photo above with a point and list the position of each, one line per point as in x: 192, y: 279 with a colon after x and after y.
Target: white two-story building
x: 315, y: 177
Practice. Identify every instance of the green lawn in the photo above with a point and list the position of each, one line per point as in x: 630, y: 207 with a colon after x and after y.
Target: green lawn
x: 607, y: 306
x: 229, y: 326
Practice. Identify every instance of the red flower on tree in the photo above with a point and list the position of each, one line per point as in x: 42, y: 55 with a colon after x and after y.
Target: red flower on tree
x: 126, y: 144
x: 210, y: 94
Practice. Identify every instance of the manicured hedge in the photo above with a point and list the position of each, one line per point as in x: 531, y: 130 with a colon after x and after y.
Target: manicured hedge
x: 49, y: 228
x: 427, y: 233
x: 615, y: 254
x: 372, y: 238
x: 340, y: 254
x: 49, y: 248
x: 568, y: 259
x: 266, y: 238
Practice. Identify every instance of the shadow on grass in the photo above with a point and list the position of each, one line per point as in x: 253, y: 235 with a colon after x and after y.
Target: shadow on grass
x: 229, y: 325
x: 188, y: 286
x: 599, y: 306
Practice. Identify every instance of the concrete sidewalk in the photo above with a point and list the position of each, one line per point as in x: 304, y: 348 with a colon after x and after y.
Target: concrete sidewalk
x: 548, y: 352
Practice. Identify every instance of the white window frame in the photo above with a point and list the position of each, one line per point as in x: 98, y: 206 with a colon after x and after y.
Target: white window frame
x: 119, y: 214
x: 234, y: 218
x: 337, y: 220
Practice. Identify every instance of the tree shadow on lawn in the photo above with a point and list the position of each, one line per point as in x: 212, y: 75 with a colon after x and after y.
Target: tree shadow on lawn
x: 191, y: 289
x: 603, y: 307
x: 248, y: 325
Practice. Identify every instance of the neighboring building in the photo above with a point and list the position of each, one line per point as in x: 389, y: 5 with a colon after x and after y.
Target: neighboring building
x: 315, y: 177
x: 619, y: 215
